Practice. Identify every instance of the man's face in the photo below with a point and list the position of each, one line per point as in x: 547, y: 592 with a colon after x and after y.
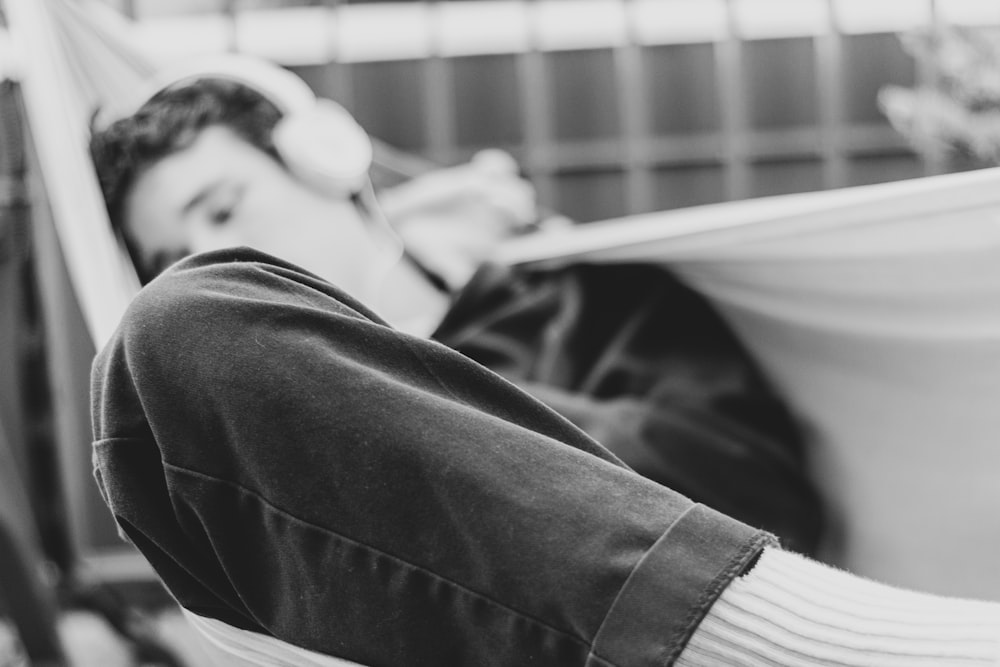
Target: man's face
x: 222, y: 192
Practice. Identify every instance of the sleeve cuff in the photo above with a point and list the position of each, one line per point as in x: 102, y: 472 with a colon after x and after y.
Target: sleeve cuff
x: 673, y: 587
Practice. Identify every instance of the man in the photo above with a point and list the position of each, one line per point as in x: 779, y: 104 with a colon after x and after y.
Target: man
x: 627, y: 353
x: 294, y: 467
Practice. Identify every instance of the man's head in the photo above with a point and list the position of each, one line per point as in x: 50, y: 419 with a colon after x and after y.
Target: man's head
x: 171, y: 122
x: 196, y: 168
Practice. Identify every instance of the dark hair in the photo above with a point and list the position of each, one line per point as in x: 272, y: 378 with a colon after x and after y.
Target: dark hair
x: 170, y: 121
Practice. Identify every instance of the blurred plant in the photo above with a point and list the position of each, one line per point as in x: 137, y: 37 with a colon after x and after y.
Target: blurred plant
x: 957, y: 115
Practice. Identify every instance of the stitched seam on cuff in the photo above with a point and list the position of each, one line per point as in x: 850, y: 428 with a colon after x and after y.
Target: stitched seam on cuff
x: 612, y: 608
x: 711, y: 594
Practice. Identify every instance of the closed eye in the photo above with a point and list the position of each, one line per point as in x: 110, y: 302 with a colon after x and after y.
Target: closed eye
x: 221, y: 202
x: 220, y: 216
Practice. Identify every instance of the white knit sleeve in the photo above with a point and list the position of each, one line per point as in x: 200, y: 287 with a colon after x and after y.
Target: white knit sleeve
x: 789, y: 610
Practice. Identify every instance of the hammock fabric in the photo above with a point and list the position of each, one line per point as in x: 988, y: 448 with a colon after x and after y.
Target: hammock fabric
x: 875, y: 312
x: 873, y: 309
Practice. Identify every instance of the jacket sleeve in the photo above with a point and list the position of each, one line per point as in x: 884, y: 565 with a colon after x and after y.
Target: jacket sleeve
x: 291, y: 464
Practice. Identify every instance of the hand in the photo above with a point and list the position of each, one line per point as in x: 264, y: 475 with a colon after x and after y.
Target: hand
x: 451, y: 219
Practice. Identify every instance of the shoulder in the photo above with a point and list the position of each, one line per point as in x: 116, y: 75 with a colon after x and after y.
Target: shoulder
x: 207, y: 289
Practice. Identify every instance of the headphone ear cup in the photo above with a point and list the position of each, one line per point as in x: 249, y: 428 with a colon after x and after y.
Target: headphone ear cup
x: 325, y: 148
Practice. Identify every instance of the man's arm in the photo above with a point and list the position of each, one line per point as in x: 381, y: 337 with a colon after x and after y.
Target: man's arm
x: 452, y: 218
x: 294, y: 466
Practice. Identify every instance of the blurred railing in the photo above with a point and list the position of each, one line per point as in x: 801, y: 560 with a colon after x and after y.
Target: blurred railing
x: 612, y: 106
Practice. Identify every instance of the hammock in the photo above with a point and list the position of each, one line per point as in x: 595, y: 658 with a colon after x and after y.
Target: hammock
x: 72, y: 58
x: 874, y: 309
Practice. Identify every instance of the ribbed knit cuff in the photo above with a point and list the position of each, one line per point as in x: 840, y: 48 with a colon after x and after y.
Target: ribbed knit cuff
x: 790, y: 610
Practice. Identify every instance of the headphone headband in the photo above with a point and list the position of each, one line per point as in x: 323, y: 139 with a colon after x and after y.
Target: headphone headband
x: 285, y: 90
x: 319, y: 141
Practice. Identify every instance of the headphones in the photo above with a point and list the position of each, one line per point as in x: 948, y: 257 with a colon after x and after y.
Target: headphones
x: 317, y: 139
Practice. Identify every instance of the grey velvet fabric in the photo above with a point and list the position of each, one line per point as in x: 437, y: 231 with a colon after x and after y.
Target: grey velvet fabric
x: 292, y: 465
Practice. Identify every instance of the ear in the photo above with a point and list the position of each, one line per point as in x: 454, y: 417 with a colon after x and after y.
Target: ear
x: 325, y: 148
